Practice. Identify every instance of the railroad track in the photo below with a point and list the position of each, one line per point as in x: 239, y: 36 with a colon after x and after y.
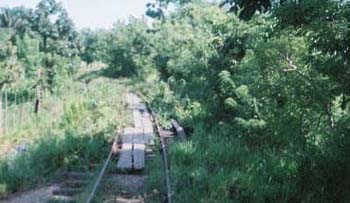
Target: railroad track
x: 133, y: 146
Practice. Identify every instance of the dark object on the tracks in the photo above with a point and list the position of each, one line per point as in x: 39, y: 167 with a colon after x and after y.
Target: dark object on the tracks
x: 179, y: 130
x: 66, y: 192
x: 74, y: 183
x: 79, y: 175
x: 166, y: 133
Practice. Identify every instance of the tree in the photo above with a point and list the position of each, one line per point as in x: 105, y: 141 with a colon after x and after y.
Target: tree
x: 18, y: 19
x: 92, y: 45
x: 276, y: 84
x: 247, y: 8
x: 10, y: 67
x: 52, y: 23
x: 156, y: 9
x: 129, y: 49
x: 304, y: 13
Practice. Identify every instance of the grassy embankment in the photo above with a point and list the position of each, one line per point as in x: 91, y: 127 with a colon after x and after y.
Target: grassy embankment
x: 72, y: 131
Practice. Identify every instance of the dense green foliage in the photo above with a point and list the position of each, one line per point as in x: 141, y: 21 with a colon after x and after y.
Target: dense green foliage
x: 40, y: 67
x: 262, y: 87
x: 265, y: 95
x: 93, y: 44
x: 72, y: 132
x: 44, y: 45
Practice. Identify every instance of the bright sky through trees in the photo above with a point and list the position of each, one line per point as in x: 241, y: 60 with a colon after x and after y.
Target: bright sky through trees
x: 92, y: 13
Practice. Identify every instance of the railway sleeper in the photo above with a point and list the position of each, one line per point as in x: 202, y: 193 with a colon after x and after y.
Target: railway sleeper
x: 79, y: 175
x: 70, y: 192
x: 74, y: 183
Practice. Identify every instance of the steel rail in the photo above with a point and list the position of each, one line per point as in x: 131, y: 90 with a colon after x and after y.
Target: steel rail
x: 103, y: 170
x: 164, y: 158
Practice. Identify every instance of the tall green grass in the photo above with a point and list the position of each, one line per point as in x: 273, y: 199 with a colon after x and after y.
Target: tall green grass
x: 73, y: 131
x: 214, y: 165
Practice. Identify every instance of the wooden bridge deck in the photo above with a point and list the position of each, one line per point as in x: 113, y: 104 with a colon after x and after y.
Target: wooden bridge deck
x: 134, y: 139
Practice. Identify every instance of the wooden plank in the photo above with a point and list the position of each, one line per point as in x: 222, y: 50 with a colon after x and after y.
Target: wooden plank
x: 166, y: 133
x: 74, y: 183
x: 79, y: 175
x: 147, y: 122
x: 66, y: 192
x: 149, y: 138
x: 139, y: 138
x: 144, y: 134
x: 139, y: 149
x: 127, y: 135
x: 141, y: 107
x: 134, y: 140
x: 148, y: 128
x: 125, y: 157
x: 134, y: 102
x: 139, y: 156
x: 179, y: 130
x: 137, y: 119
x: 135, y: 99
x: 128, y: 99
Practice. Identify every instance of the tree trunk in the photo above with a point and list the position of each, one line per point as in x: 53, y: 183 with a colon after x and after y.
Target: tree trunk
x: 38, y: 94
x: 21, y: 112
x: 6, y: 113
x: 1, y: 116
x: 37, y: 101
x: 45, y: 43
